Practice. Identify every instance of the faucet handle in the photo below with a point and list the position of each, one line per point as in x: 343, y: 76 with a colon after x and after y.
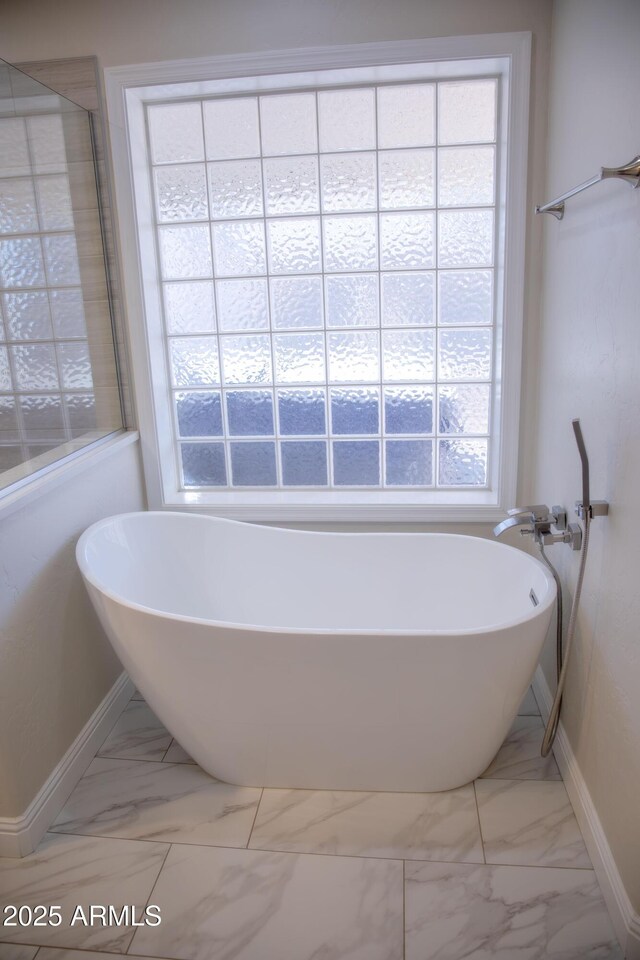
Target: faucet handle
x: 538, y: 512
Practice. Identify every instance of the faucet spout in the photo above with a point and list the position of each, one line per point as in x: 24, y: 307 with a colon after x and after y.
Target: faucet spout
x: 518, y: 521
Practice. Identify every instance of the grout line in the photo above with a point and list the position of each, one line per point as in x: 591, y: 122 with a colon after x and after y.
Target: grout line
x: 313, y: 853
x: 155, y: 883
x: 255, y: 818
x: 475, y: 794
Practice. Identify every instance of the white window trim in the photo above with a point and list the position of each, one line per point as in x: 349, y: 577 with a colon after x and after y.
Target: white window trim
x: 129, y: 87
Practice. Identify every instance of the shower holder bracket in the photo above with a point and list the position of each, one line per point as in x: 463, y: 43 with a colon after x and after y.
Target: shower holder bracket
x: 597, y: 508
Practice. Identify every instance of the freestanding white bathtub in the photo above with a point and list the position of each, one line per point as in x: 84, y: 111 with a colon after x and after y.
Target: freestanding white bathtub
x: 343, y: 661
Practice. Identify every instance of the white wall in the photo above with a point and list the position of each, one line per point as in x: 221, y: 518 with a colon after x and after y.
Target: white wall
x: 56, y: 665
x: 590, y: 363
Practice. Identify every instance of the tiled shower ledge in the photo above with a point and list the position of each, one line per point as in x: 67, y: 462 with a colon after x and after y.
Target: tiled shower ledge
x: 496, y: 868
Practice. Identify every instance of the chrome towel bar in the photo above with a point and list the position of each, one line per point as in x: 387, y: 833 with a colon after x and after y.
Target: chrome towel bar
x: 630, y: 172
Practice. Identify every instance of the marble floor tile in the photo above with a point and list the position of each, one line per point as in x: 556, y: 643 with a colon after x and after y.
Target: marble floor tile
x: 137, y: 695
x: 529, y: 706
x: 221, y: 904
x: 57, y: 953
x: 17, y: 951
x: 519, y: 756
x: 137, y: 735
x: 71, y: 871
x: 530, y: 823
x: 138, y: 800
x: 455, y: 911
x: 177, y: 754
x: 415, y: 826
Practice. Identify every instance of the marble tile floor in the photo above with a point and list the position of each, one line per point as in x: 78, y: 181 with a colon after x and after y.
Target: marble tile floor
x: 494, y: 869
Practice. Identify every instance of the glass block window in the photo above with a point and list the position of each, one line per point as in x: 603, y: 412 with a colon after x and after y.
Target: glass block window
x: 327, y: 268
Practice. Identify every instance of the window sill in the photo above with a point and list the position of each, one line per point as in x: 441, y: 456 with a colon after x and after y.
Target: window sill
x: 368, y: 506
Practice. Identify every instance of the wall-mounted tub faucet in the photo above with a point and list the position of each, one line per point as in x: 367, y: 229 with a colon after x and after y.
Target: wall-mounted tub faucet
x: 538, y: 520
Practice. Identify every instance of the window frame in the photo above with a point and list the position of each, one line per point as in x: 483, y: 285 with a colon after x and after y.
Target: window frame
x: 130, y: 88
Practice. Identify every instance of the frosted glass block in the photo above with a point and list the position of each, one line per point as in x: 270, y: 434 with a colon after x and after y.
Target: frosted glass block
x: 253, y: 464
x: 463, y: 408
x: 350, y: 243
x: 67, y: 313
x: 465, y: 354
x: 466, y: 176
x: 18, y: 212
x: 353, y: 357
x: 347, y: 120
x: 355, y: 410
x: 231, y: 128
x: 81, y: 412
x: 235, y: 189
x: 299, y: 357
x: 21, y: 263
x: 6, y: 383
x: 8, y: 419
x: 175, y: 132
x: 466, y: 296
x: 54, y: 202
x: 246, y: 359
x: 14, y: 153
x: 406, y: 115
x: 408, y: 409
x: 348, y: 182
x: 465, y: 238
x: 406, y: 179
x: 27, y: 315
x: 356, y: 463
x: 291, y: 185
x: 35, y: 366
x: 190, y: 307
x: 47, y: 143
x: 296, y: 302
x: 462, y: 463
x: 42, y: 416
x: 194, y: 361
x: 61, y: 259
x: 409, y: 463
x: 294, y: 245
x: 288, y: 124
x: 239, y: 248
x: 249, y: 413
x: 406, y: 241
x: 74, y: 363
x: 352, y: 301
x: 242, y: 304
x: 185, y: 252
x: 467, y: 111
x: 181, y: 192
x: 301, y: 412
x: 408, y: 299
x: 304, y: 463
x: 203, y: 465
x: 408, y: 355
x: 199, y: 414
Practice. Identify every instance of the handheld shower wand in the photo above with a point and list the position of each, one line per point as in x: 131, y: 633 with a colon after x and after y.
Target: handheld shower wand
x: 586, y: 510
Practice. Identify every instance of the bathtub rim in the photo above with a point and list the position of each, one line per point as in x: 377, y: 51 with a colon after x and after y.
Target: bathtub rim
x: 90, y: 578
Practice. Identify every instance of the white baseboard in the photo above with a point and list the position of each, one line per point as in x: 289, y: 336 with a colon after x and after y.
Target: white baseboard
x: 20, y: 836
x: 626, y: 920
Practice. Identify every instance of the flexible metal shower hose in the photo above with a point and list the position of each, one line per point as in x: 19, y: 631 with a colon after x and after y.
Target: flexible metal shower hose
x: 562, y: 660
